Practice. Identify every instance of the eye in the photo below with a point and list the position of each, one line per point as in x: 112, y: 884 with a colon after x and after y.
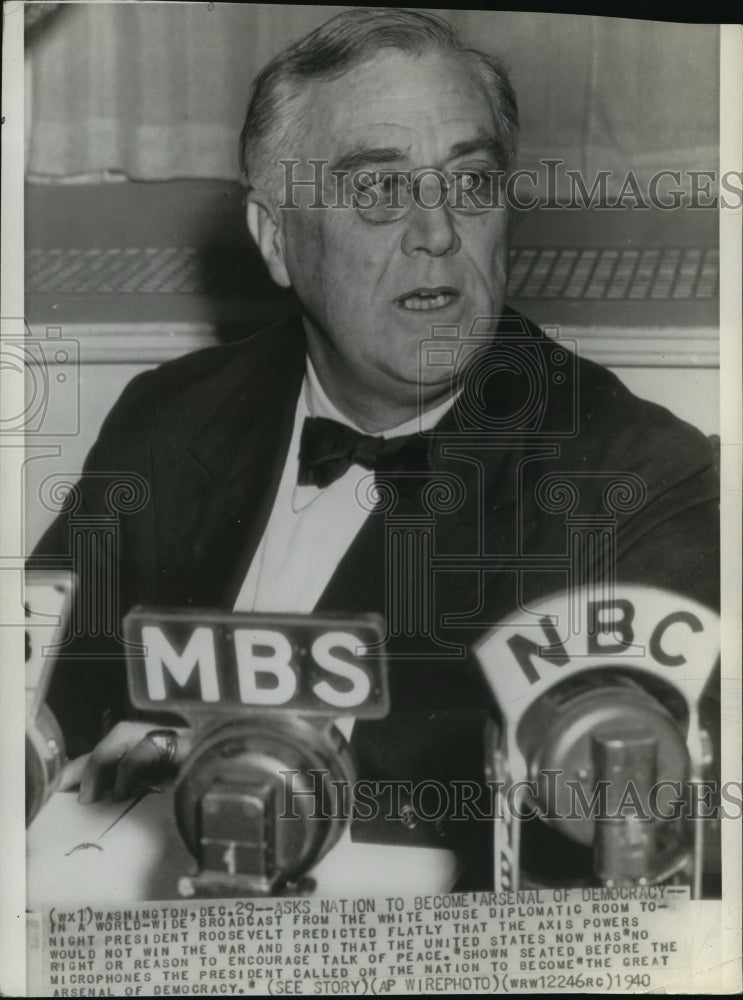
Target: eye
x: 473, y: 178
x: 474, y: 188
x: 474, y: 175
x: 381, y: 195
x: 389, y: 185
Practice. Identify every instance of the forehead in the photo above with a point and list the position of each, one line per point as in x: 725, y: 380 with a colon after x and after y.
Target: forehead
x: 418, y: 104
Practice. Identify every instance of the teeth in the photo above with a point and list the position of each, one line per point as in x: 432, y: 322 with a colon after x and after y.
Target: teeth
x: 425, y: 302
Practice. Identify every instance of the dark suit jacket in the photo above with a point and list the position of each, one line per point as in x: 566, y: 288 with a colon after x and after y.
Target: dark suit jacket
x: 208, y: 435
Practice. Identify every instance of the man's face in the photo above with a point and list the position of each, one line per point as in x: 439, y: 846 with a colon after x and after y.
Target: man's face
x: 371, y: 292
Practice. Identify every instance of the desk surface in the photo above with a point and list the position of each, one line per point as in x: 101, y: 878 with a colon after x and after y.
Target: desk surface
x: 75, y: 854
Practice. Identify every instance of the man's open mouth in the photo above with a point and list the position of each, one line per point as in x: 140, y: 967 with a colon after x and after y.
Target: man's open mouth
x: 421, y: 299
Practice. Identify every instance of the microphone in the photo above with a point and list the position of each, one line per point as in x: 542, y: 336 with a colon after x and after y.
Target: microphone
x: 600, y: 737
x: 255, y: 802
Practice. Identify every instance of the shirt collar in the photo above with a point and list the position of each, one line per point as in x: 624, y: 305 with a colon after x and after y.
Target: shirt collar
x: 319, y: 405
x: 314, y: 402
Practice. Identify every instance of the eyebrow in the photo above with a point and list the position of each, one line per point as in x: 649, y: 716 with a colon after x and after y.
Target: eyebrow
x: 386, y: 154
x: 363, y: 157
x: 484, y: 143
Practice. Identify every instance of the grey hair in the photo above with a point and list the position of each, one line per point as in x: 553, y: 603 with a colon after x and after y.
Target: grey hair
x: 337, y: 46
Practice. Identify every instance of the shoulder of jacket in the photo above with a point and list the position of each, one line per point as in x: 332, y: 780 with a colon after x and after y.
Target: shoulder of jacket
x: 184, y: 394
x: 205, y: 377
x: 601, y: 424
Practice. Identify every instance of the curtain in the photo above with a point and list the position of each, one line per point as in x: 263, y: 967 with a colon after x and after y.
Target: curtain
x: 159, y: 91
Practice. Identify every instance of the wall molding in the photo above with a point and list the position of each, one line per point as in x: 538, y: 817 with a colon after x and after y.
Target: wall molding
x: 619, y: 347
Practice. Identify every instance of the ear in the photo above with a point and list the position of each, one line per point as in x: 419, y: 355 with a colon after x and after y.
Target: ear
x: 265, y: 229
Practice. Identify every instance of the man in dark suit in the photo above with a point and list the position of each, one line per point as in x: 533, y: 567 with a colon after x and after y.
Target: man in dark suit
x: 373, y: 151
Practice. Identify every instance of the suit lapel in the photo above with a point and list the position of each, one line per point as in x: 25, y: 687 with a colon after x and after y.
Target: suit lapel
x: 214, y: 495
x: 485, y: 465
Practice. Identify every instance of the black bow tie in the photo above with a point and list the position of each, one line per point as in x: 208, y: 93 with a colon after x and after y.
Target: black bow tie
x: 328, y: 449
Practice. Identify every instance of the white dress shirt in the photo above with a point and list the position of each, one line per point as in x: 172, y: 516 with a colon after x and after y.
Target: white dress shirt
x: 309, y: 529
x: 307, y: 534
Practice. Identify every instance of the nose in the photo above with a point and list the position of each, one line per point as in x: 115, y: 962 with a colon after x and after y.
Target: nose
x: 430, y: 231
